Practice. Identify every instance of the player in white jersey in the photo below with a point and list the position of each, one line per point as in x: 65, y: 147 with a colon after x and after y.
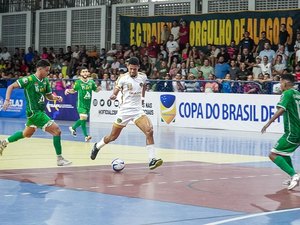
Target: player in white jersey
x: 132, y: 86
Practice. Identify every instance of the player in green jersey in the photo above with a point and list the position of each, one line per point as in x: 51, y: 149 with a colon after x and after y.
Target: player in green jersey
x: 289, y: 106
x: 36, y: 88
x: 84, y: 87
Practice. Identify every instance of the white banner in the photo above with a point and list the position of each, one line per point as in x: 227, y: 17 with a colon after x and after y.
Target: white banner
x: 219, y: 111
x: 104, y: 110
x: 198, y: 110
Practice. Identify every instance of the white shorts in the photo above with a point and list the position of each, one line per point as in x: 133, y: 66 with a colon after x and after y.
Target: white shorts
x: 124, y: 118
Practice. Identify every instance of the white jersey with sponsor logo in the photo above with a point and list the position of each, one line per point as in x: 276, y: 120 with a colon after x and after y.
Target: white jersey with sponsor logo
x: 131, y: 90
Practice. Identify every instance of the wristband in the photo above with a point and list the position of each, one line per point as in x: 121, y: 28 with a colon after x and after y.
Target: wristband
x: 143, y: 98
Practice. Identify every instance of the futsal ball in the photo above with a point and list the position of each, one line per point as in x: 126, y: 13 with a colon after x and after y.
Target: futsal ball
x: 118, y: 164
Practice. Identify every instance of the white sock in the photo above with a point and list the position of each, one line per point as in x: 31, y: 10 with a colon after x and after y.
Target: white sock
x: 100, y: 144
x: 151, y: 152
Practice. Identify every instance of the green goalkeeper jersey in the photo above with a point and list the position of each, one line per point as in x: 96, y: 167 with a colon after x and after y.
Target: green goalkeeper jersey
x: 84, y: 90
x: 35, y: 91
x: 290, y: 102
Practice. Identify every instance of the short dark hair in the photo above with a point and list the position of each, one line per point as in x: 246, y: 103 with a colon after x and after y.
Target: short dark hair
x: 82, y: 68
x: 42, y: 63
x: 288, y: 77
x: 134, y: 61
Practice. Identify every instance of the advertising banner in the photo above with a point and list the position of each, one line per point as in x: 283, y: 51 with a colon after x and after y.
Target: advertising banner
x: 104, y: 110
x: 65, y: 110
x: 213, y: 28
x: 17, y: 108
x: 219, y: 111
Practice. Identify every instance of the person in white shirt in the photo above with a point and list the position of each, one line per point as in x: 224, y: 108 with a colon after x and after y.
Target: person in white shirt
x: 132, y: 86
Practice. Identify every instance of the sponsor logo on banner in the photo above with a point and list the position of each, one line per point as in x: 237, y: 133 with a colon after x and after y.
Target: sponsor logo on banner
x: 168, y: 108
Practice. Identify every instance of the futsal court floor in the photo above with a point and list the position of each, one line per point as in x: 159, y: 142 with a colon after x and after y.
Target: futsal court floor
x: 208, y: 177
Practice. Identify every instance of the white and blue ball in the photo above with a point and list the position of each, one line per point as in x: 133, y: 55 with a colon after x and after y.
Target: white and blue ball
x: 118, y: 165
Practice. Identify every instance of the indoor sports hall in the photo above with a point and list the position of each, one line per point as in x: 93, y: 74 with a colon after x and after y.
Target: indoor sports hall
x: 208, y: 177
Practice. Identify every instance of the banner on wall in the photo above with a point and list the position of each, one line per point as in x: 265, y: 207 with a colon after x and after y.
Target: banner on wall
x: 17, y: 108
x: 219, y: 111
x: 213, y: 28
x: 105, y: 110
x: 65, y: 110
x: 198, y: 110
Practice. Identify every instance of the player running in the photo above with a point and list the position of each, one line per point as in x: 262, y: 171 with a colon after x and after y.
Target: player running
x: 289, y: 106
x: 132, y: 86
x: 36, y: 88
x: 84, y: 87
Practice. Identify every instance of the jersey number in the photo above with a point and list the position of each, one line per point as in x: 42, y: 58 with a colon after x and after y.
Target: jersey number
x: 87, y: 96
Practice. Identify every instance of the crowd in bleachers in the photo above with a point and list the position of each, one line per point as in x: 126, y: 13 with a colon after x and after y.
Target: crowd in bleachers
x: 171, y: 65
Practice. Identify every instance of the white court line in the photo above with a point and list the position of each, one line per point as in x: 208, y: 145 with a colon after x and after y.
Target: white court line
x: 251, y: 216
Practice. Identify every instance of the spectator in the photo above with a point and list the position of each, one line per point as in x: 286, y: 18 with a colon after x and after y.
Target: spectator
x: 223, y: 52
x: 164, y: 35
x: 172, y: 48
x: 244, y: 72
x: 226, y: 84
x: 247, y: 42
x: 206, y: 69
x: 284, y: 54
x: 279, y: 66
x: 211, y: 86
x: 5, y: 55
x: 221, y: 68
x: 153, y: 50
x: 191, y: 85
x: 251, y: 87
x: 183, y: 34
x: 234, y: 70
x: 232, y: 50
x: 284, y: 36
x: 270, y: 53
x: 175, y: 30
x: 261, y: 42
x: 256, y: 69
x: 178, y: 84
x: 266, y: 66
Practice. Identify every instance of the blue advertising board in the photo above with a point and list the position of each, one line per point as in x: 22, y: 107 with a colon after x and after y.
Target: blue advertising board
x: 65, y: 110
x: 17, y: 108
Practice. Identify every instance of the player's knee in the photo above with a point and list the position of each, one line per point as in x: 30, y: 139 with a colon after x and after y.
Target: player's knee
x: 57, y: 132
x: 27, y: 135
x: 149, y: 131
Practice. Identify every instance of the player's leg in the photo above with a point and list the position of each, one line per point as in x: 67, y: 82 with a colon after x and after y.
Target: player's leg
x: 75, y: 125
x: 83, y: 119
x: 280, y: 155
x: 145, y: 125
x: 119, y: 124
x: 114, y: 134
x: 43, y: 121
x: 27, y: 132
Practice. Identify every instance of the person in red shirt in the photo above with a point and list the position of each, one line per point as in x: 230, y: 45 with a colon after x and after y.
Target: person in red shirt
x: 153, y: 49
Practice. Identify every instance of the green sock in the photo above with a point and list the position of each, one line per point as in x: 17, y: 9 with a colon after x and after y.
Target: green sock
x: 76, y: 124
x: 16, y: 136
x: 57, y: 144
x: 83, y: 126
x: 288, y: 160
x: 282, y: 164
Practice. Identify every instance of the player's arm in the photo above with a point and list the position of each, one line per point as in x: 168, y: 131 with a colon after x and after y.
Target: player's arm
x: 52, y: 97
x: 9, y: 90
x: 70, y: 91
x: 115, y: 93
x: 279, y: 112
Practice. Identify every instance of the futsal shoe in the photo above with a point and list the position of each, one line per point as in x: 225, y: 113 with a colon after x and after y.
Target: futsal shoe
x: 94, y: 152
x: 72, y: 131
x: 155, y: 163
x: 61, y: 161
x: 87, y: 138
x: 294, y: 182
x: 3, y: 145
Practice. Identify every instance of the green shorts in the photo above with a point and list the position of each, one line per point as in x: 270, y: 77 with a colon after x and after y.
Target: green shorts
x: 39, y: 119
x: 284, y: 147
x: 83, y: 111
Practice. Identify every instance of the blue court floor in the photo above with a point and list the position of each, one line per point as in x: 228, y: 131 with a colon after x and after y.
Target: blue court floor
x: 208, y: 177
